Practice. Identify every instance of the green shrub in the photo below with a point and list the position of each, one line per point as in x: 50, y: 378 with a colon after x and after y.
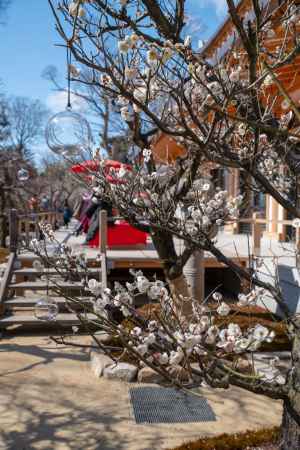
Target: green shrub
x: 239, y: 441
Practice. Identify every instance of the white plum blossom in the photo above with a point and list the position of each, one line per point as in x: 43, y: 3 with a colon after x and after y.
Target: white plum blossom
x: 296, y: 223
x: 261, y: 333
x: 73, y: 8
x: 223, y: 309
x: 147, y: 152
x: 217, y: 296
x: 142, y: 349
x: 130, y: 73
x: 74, y: 71
x: 187, y: 41
x: 95, y: 287
x: 152, y: 56
x: 162, y: 358
x: 123, y: 46
x: 150, y: 339
x: 176, y: 356
x: 268, y: 81
x: 137, y: 331
x: 143, y: 284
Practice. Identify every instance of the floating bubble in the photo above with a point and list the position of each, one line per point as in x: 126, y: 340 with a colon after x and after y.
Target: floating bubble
x: 46, y: 309
x: 68, y: 134
x: 23, y: 175
x: 38, y: 265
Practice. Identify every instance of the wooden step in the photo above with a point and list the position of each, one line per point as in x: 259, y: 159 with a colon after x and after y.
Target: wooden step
x: 30, y: 271
x: 27, y: 259
x: 27, y: 302
x: 43, y: 285
x: 61, y: 319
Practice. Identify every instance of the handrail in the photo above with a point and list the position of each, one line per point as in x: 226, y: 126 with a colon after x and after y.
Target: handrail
x: 21, y: 224
x: 6, y: 279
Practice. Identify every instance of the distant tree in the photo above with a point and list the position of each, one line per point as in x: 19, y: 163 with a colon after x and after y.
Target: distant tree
x: 57, y: 182
x: 3, y: 7
x: 21, y: 125
x: 27, y: 118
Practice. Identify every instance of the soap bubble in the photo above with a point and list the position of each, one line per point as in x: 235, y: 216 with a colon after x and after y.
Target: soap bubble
x: 68, y: 134
x: 23, y: 175
x: 46, y: 309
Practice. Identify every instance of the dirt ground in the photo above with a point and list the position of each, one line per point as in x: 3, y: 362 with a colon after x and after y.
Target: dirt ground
x: 50, y: 400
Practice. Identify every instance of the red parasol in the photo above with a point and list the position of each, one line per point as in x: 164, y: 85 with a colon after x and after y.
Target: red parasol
x: 110, y: 168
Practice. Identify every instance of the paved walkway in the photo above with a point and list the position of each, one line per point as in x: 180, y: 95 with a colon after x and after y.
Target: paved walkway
x: 50, y: 400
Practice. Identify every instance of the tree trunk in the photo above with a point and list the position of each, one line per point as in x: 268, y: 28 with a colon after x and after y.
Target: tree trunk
x: 3, y: 219
x: 180, y: 290
x: 175, y: 278
x: 291, y: 410
x: 290, y: 429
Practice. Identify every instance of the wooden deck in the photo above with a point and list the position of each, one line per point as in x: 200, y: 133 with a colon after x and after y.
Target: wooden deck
x: 235, y: 247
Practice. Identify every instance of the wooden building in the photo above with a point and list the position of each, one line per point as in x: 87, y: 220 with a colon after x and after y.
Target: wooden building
x: 167, y: 150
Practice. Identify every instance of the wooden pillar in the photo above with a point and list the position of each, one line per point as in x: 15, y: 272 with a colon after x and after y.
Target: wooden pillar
x: 232, y: 186
x: 102, y: 245
x: 274, y: 213
x: 256, y: 234
x: 36, y: 227
x: 27, y: 227
x: 194, y: 274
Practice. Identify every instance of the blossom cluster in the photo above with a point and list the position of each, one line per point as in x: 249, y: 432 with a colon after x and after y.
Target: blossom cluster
x: 176, y: 343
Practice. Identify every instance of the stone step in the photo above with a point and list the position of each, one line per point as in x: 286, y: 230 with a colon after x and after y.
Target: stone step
x: 27, y: 302
x: 61, y: 319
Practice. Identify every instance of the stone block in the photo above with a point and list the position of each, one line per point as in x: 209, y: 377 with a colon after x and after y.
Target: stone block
x: 179, y: 373
x: 120, y: 371
x: 103, y: 337
x: 99, y: 361
x: 148, y: 375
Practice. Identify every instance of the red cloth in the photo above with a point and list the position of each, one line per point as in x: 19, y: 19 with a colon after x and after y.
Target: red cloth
x: 121, y: 234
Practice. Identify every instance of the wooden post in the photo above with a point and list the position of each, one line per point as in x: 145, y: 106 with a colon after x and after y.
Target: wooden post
x: 36, y: 227
x: 256, y: 234
x: 27, y: 229
x: 102, y: 246
x: 13, y: 231
x: 194, y: 273
x: 297, y: 245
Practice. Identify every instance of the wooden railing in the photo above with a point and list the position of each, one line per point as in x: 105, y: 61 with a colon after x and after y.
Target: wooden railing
x: 23, y: 227
x: 256, y: 223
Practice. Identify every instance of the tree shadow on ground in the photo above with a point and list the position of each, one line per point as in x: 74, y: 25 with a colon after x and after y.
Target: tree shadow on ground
x: 45, y: 355
x: 58, y: 424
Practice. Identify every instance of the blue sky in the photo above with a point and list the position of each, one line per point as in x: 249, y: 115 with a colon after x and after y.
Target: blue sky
x: 27, y: 45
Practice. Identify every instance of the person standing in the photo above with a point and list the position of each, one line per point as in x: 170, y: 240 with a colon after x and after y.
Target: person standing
x: 67, y: 213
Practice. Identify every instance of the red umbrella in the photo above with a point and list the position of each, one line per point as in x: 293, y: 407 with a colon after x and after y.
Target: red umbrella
x: 110, y: 168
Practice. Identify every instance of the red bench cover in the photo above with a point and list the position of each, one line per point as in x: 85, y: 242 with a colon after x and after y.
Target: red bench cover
x: 121, y: 234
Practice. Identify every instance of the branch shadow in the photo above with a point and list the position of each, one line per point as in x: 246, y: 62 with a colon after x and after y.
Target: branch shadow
x: 60, y: 424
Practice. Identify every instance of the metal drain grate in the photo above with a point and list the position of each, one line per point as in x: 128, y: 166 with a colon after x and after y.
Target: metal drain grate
x: 168, y: 405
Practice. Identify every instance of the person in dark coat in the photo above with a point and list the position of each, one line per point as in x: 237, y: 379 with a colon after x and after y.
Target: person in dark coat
x: 67, y: 213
